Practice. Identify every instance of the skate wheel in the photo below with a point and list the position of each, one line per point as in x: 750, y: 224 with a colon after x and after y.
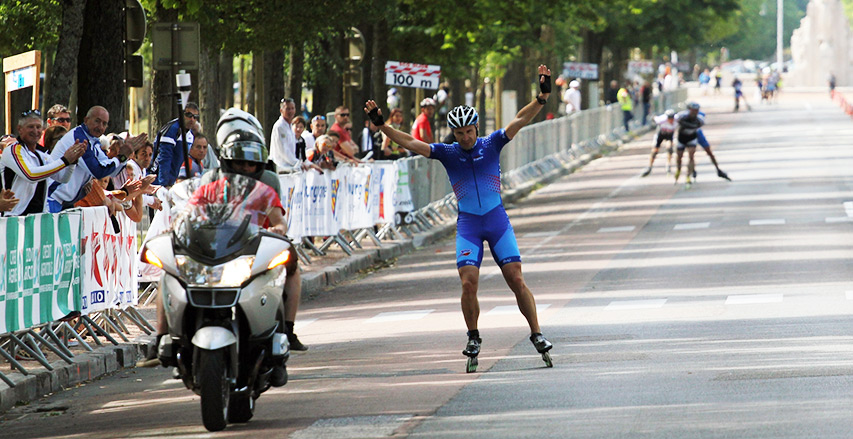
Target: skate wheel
x: 472, y: 365
x: 547, y: 358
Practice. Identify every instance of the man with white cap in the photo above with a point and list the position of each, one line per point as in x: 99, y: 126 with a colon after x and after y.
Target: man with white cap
x: 572, y: 97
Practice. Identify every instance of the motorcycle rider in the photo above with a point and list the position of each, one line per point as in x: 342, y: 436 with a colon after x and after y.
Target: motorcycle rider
x: 242, y: 150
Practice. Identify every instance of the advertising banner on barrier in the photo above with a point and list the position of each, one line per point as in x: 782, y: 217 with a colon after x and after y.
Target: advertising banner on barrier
x: 109, y: 261
x: 357, y: 194
x: 291, y: 198
x: 317, y: 199
x: 385, y: 185
x: 403, y: 196
x: 38, y: 269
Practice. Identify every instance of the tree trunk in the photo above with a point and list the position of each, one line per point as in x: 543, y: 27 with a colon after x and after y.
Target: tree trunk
x: 378, y: 89
x: 163, y: 107
x: 65, y: 61
x: 592, y: 51
x: 209, y: 89
x: 100, y: 72
x: 295, y: 74
x: 226, y: 79
x: 274, y: 89
x: 250, y: 82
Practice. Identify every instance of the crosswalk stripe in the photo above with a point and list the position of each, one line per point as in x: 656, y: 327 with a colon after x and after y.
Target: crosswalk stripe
x: 620, y: 305
x: 616, y: 229
x: 748, y: 299
x: 399, y: 316
x: 767, y: 222
x: 299, y: 324
x: 849, y: 295
x: 839, y: 219
x: 691, y: 226
x: 540, y: 234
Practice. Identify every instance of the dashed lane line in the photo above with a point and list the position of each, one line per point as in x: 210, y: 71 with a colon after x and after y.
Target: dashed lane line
x: 750, y: 299
x: 513, y: 309
x: 691, y: 226
x: 622, y: 305
x: 616, y: 229
x: 767, y: 222
x: 399, y: 316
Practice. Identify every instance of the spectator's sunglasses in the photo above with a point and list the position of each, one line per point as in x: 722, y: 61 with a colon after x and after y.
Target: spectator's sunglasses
x: 192, y: 115
x: 61, y: 119
x: 29, y: 112
x: 315, y: 118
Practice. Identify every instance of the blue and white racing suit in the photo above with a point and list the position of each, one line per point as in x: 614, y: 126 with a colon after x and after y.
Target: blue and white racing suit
x: 476, y: 178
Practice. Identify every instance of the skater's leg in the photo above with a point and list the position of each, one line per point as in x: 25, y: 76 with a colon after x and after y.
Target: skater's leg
x: 679, y: 153
x: 523, y: 296
x: 470, y: 275
x: 691, y: 165
x: 713, y: 159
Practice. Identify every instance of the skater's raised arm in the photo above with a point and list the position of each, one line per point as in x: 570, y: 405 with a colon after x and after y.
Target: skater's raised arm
x: 403, y: 139
x: 532, y: 109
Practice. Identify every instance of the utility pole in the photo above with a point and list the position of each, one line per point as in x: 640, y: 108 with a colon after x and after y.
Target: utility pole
x: 779, y: 17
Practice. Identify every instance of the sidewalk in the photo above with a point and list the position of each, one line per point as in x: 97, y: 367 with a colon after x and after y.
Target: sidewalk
x: 323, y: 274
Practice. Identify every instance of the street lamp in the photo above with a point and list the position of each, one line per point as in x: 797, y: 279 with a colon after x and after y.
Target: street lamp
x: 779, y: 16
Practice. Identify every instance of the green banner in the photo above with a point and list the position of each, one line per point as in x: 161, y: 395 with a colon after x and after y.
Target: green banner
x: 45, y: 267
x: 13, y: 277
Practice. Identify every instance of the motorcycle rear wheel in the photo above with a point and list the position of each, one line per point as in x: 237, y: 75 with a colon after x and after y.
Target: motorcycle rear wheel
x: 215, y: 389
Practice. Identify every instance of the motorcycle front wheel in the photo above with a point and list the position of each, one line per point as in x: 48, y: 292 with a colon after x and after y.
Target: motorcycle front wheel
x: 215, y: 389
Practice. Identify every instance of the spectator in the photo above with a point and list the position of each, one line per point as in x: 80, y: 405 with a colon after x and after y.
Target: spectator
x: 28, y: 171
x: 305, y: 113
x: 51, y: 136
x: 198, y: 151
x: 392, y: 150
x: 646, y: 93
x: 421, y: 129
x: 393, y: 99
x: 283, y: 140
x: 323, y: 153
x: 626, y: 103
x: 705, y: 81
x: 299, y: 125
x: 370, y: 140
x: 95, y: 163
x: 572, y: 97
x: 318, y: 128
x: 612, y: 95
x: 57, y: 115
x: 169, y: 149
x: 346, y: 147
x: 139, y: 164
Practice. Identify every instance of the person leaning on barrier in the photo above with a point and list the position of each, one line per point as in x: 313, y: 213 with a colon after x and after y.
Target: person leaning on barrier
x: 27, y: 172
x: 94, y: 163
x: 473, y: 167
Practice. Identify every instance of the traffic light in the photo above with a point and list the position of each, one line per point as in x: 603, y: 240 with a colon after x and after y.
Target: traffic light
x: 134, y: 35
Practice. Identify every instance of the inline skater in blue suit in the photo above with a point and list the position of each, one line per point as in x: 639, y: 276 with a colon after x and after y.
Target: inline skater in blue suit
x: 473, y: 166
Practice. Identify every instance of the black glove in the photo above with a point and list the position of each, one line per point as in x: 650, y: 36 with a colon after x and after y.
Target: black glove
x: 545, y: 86
x: 375, y: 117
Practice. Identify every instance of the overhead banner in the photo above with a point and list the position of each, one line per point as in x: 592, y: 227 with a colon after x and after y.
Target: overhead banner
x: 402, y: 74
x: 109, y: 261
x: 39, y: 269
x: 642, y: 67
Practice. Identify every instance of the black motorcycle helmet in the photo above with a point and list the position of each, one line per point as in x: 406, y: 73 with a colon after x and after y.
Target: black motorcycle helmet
x: 240, y: 137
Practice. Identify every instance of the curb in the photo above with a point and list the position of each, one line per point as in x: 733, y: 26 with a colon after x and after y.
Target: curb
x: 85, y: 367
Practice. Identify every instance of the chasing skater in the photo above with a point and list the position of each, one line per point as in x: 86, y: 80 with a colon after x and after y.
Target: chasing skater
x: 473, y: 166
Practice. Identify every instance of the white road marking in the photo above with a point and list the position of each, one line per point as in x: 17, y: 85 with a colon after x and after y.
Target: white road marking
x: 767, y: 222
x: 691, y: 226
x: 303, y: 323
x: 621, y: 305
x: 399, y: 316
x: 749, y: 299
x: 353, y: 427
x: 839, y: 219
x: 848, y: 207
x: 513, y: 309
x: 849, y: 295
x: 540, y: 234
x: 616, y: 229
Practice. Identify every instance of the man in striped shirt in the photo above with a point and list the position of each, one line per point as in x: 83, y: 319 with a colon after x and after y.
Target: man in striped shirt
x: 28, y: 171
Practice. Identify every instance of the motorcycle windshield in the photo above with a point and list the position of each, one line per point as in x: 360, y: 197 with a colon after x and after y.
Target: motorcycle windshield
x: 223, y: 215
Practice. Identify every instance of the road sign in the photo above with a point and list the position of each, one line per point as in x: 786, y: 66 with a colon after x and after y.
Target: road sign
x: 21, y: 78
x: 21, y: 72
x: 183, y: 37
x: 401, y: 74
x: 641, y: 67
x: 580, y: 70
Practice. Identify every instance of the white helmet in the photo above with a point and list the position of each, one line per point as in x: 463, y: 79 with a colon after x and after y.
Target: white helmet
x: 428, y: 102
x: 462, y: 116
x: 574, y: 84
x: 670, y: 114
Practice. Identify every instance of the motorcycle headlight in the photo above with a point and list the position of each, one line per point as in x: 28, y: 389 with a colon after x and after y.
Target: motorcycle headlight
x: 230, y: 274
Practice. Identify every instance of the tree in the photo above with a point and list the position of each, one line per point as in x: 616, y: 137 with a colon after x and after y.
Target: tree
x: 100, y: 68
x: 67, y: 50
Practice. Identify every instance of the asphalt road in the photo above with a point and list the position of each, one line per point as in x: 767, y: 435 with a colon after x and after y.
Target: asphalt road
x: 720, y: 311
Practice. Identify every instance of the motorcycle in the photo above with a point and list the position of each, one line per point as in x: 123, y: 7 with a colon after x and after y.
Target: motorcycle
x: 222, y: 292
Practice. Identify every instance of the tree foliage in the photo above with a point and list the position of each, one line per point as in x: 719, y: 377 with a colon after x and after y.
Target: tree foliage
x: 29, y: 25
